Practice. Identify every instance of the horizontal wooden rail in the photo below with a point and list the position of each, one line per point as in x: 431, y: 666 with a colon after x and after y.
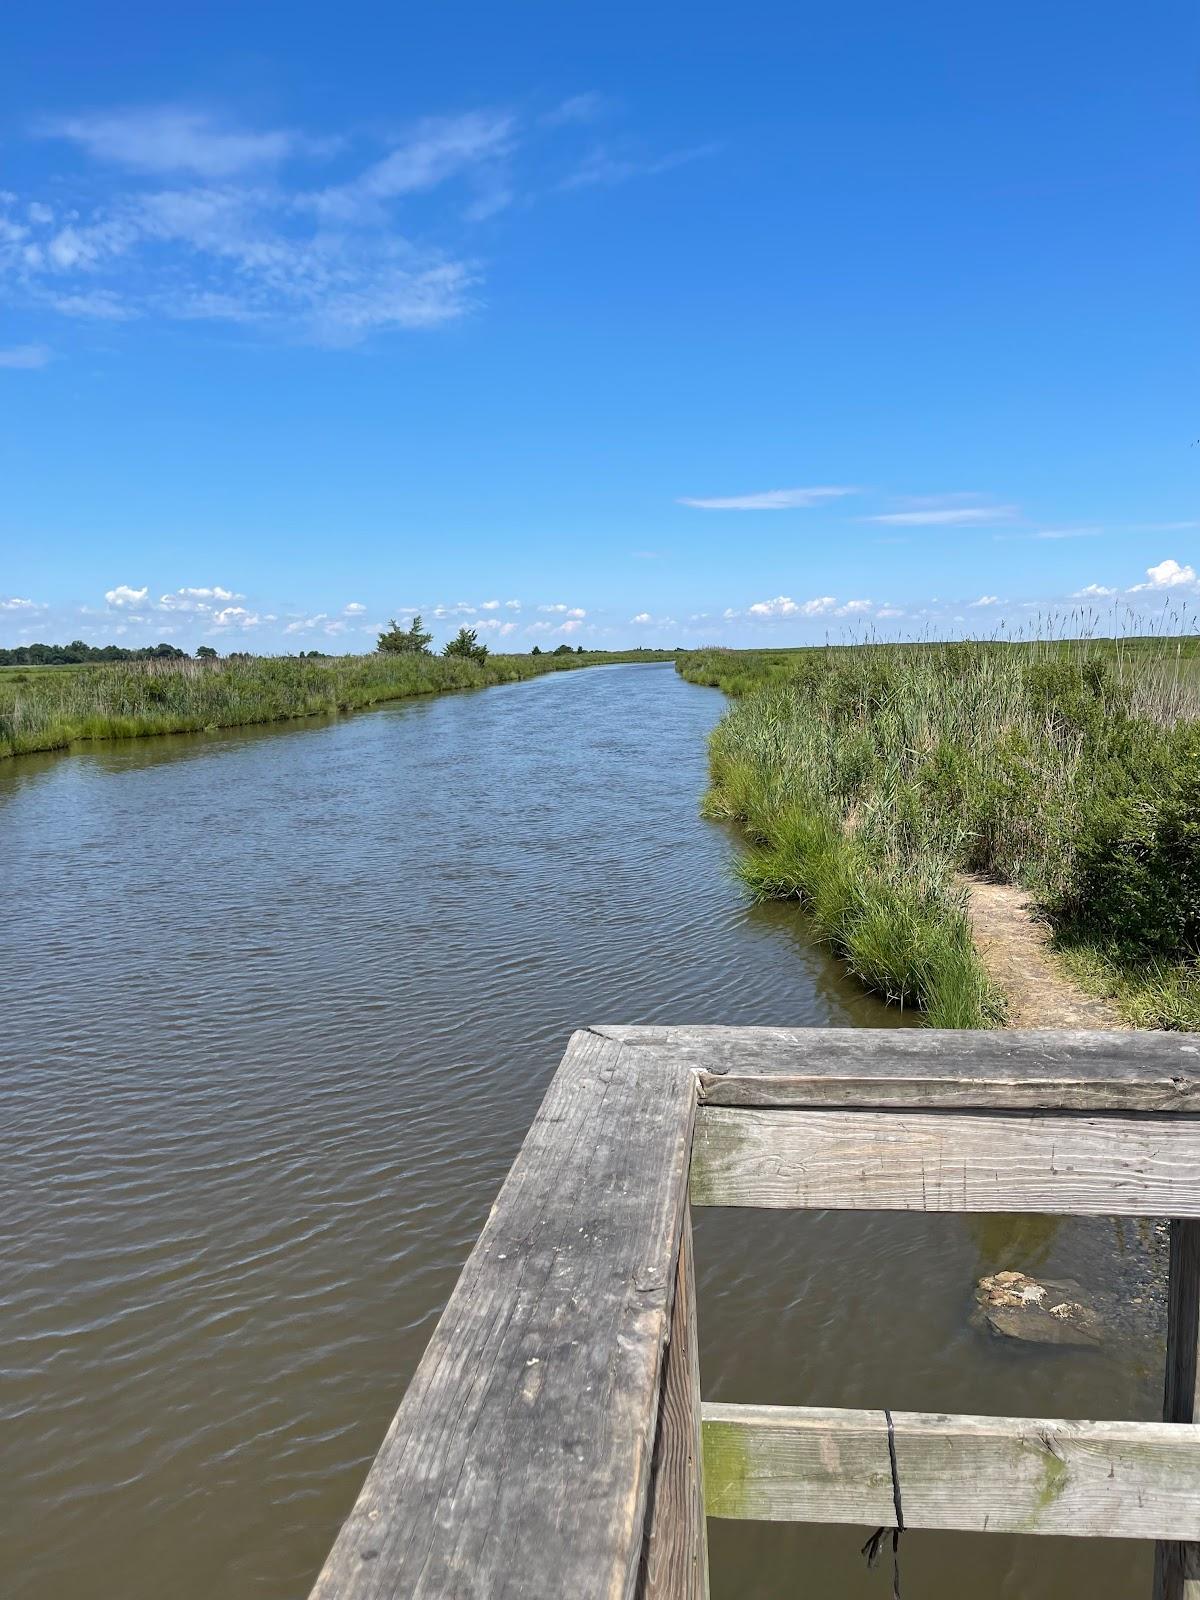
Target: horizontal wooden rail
x: 1131, y: 1480
x: 1007, y: 1070
x: 1070, y: 1164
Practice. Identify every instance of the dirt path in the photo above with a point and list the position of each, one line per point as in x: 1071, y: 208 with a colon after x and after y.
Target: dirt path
x: 1013, y: 946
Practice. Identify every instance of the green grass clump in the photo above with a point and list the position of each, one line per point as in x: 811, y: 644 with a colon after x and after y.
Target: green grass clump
x: 870, y: 777
x: 55, y: 707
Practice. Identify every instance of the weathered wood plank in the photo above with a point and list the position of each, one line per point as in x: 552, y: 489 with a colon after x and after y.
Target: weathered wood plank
x: 675, y: 1564
x: 1176, y: 1564
x: 1133, y: 1480
x: 947, y: 1161
x: 1004, y: 1069
x: 518, y: 1463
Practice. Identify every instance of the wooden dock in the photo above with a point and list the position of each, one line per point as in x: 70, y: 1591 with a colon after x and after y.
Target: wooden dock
x: 553, y: 1441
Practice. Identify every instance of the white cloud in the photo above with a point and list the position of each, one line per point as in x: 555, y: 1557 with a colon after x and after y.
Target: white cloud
x: 559, y: 607
x: 889, y: 611
x: 642, y: 616
x: 490, y: 605
x: 985, y: 600
x: 495, y: 625
x: 570, y: 625
x: 512, y: 605
x: 853, y: 608
x: 240, y: 617
x: 1167, y: 574
x: 26, y: 357
x: 354, y: 609
x: 945, y: 516
x: 768, y: 500
x: 1093, y: 591
x: 172, y: 139
x: 196, y: 599
x: 123, y: 595
x: 784, y: 606
x: 16, y: 603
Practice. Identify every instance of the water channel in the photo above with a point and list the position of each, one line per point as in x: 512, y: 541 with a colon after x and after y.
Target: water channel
x: 278, y: 1007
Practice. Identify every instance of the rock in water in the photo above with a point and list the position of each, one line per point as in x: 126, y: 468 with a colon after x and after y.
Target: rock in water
x: 1035, y: 1311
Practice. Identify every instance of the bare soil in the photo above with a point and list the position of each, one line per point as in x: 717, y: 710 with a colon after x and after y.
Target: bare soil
x: 1013, y: 945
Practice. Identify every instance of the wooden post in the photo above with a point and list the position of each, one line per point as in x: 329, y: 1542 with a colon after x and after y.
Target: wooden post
x: 675, y: 1561
x: 1177, y: 1566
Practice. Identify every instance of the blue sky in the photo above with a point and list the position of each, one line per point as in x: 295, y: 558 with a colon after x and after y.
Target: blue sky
x: 657, y: 324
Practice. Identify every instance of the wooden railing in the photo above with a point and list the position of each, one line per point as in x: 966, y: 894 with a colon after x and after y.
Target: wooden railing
x: 553, y: 1440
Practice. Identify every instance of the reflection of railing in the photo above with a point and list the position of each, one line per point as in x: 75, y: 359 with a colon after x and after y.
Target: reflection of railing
x: 550, y: 1442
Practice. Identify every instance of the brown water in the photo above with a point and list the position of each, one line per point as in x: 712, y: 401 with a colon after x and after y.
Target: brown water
x: 278, y: 1008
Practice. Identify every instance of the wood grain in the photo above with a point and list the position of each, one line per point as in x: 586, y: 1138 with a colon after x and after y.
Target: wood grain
x: 518, y: 1463
x: 1049, y: 1069
x: 947, y: 1161
x: 1133, y: 1480
x: 675, y: 1565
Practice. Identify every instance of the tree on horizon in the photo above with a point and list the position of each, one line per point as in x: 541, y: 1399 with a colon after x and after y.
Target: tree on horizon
x: 410, y: 641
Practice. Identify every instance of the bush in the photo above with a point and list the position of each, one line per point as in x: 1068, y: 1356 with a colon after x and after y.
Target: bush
x: 1136, y: 882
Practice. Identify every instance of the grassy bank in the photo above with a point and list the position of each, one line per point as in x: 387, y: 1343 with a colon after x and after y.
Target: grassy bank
x: 868, y: 777
x: 53, y: 707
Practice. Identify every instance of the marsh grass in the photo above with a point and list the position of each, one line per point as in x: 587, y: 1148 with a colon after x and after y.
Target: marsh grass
x: 54, y: 707
x: 868, y: 777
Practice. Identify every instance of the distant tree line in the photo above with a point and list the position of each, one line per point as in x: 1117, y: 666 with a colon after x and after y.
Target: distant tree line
x: 67, y: 655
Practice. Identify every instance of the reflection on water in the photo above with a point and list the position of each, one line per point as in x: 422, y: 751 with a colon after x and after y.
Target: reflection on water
x: 279, y: 1006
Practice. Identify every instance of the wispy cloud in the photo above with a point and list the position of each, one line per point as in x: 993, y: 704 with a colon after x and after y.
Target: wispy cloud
x: 16, y: 603
x: 174, y: 139
x: 604, y: 167
x: 576, y: 108
x: 26, y: 357
x: 767, y: 499
x: 195, y: 216
x: 985, y: 600
x: 438, y: 149
x: 1068, y: 533
x: 945, y: 516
